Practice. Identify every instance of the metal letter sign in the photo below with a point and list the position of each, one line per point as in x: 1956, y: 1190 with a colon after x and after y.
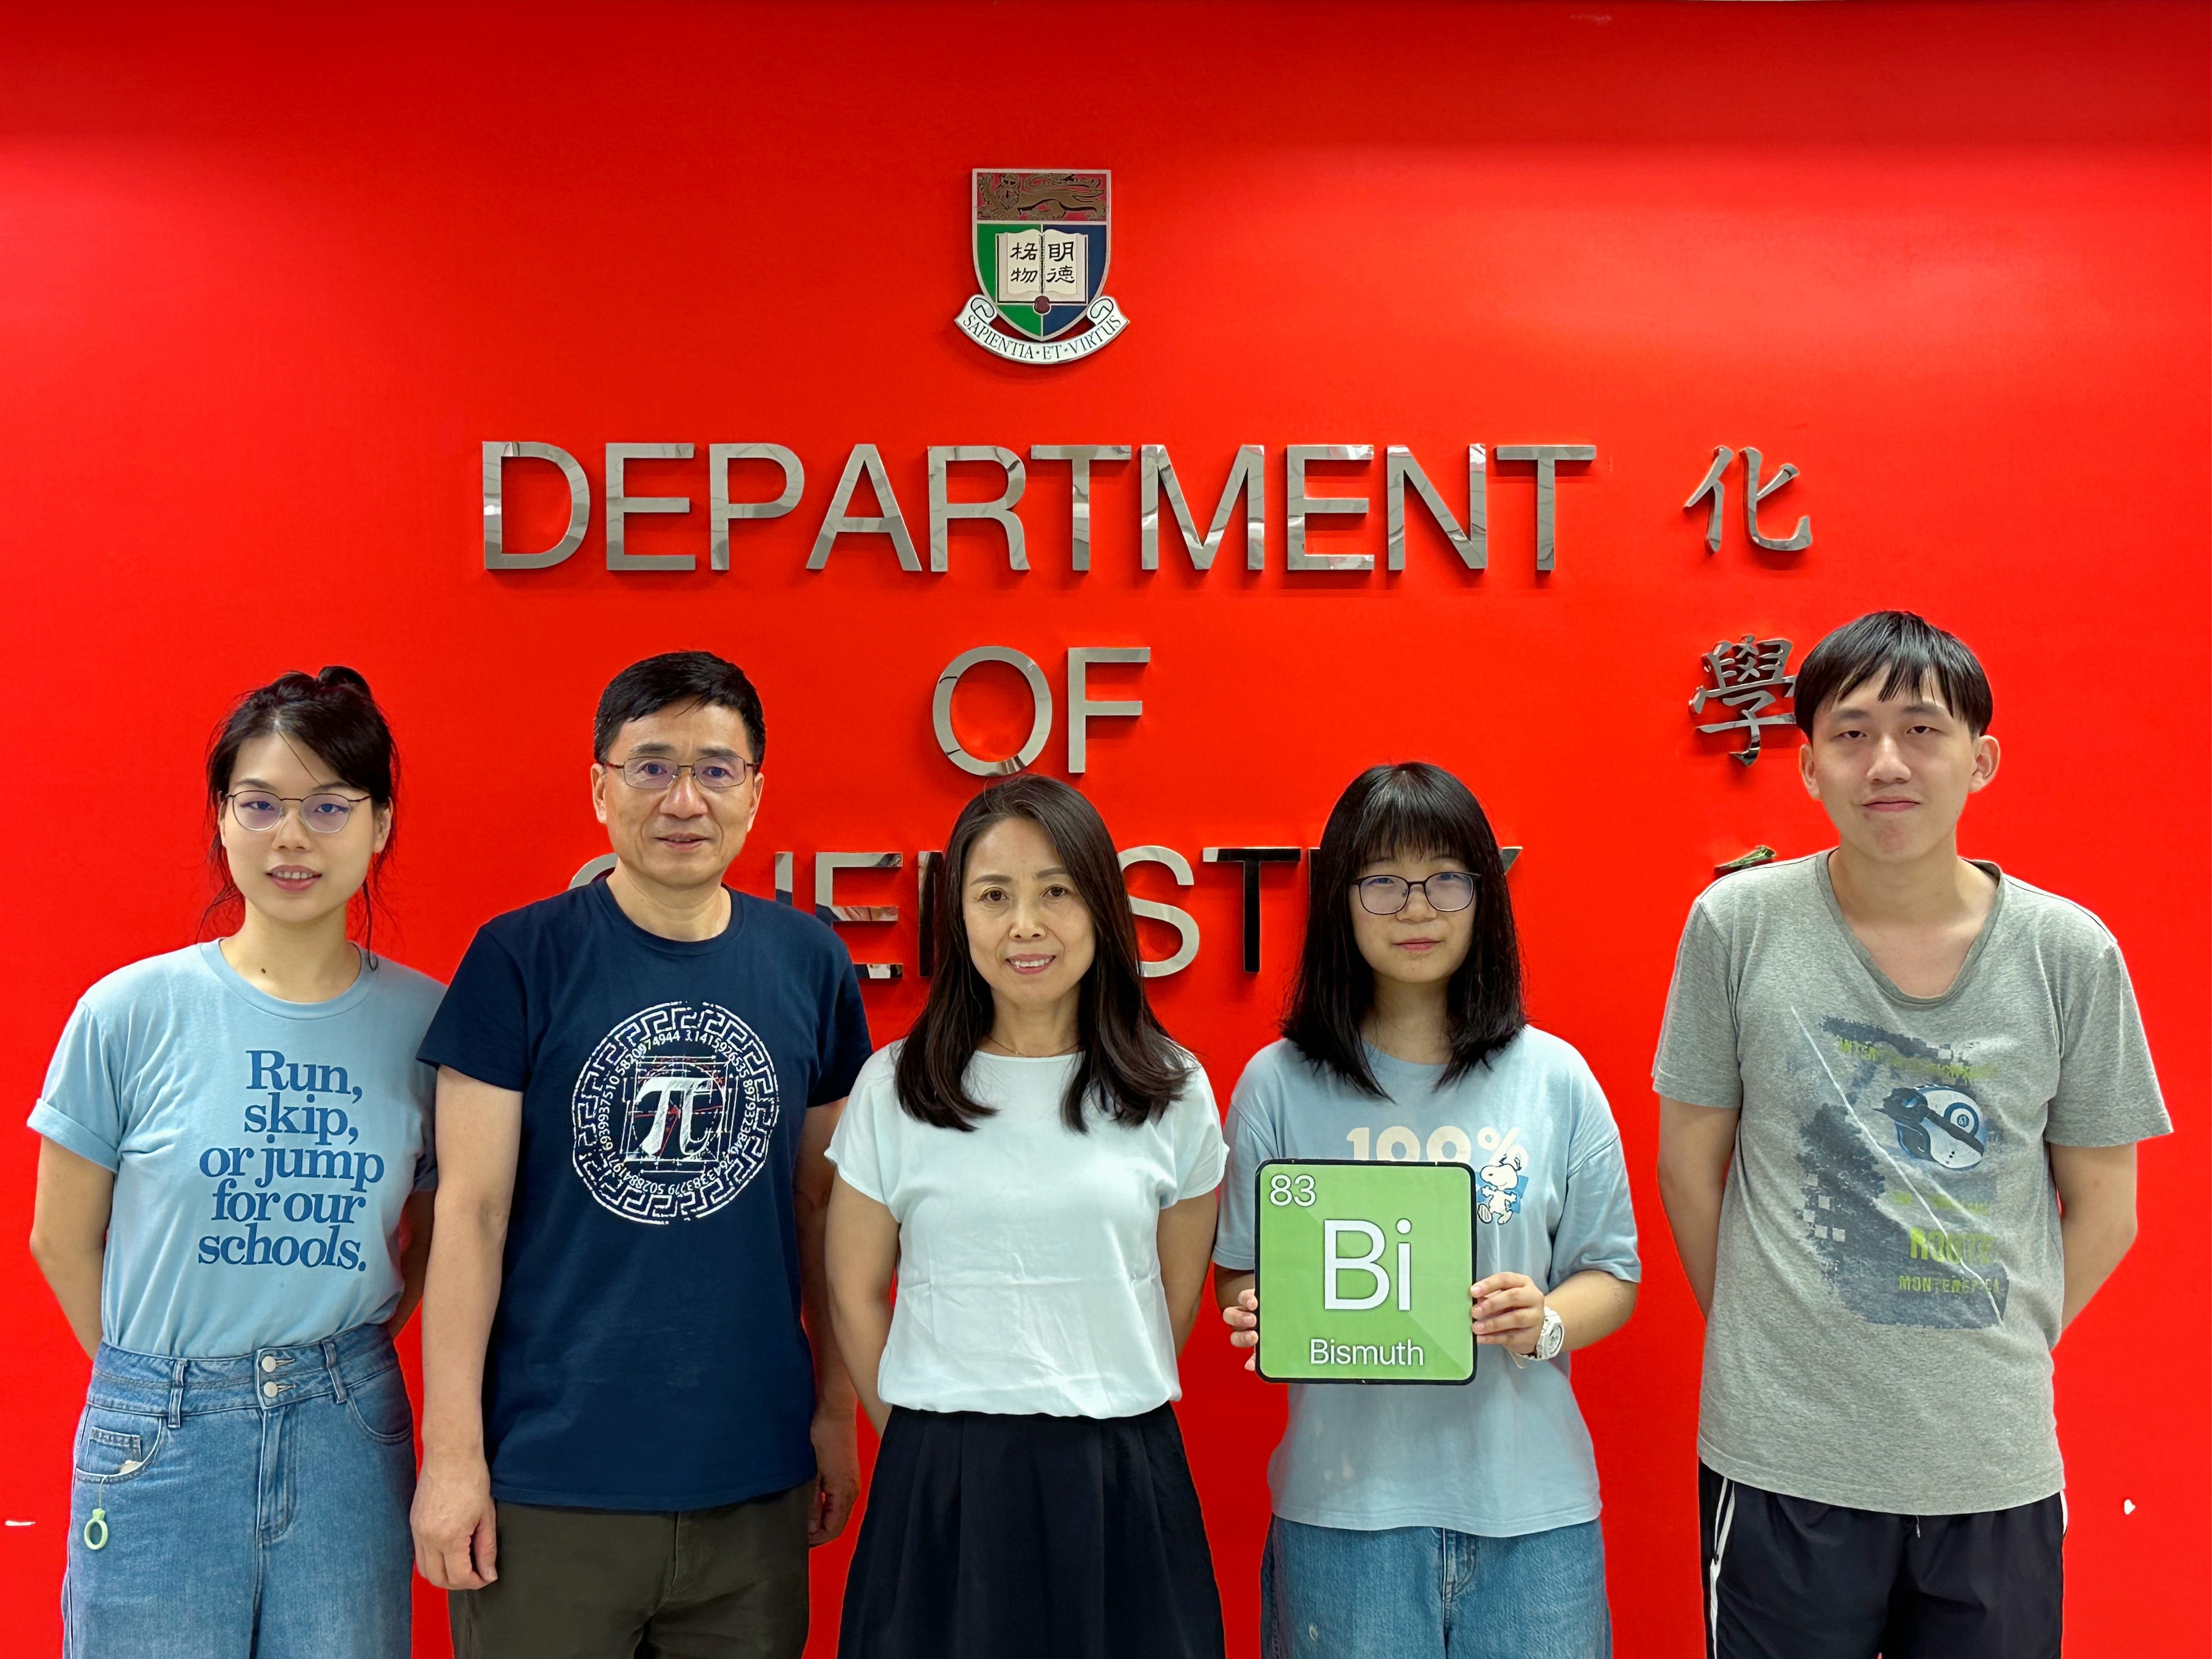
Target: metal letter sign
x: 1363, y: 1270
x: 1042, y: 241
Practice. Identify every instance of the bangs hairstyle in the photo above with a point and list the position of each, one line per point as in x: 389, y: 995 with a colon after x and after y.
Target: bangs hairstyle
x: 1409, y: 810
x: 1129, y: 1067
x: 1909, y: 652
x: 333, y: 717
x: 685, y: 679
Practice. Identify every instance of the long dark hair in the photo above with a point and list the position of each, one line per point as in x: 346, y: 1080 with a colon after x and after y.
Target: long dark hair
x: 333, y: 715
x: 1412, y: 810
x: 1129, y: 1066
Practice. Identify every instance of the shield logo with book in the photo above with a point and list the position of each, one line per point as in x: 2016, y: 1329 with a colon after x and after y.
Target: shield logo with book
x: 1042, y: 241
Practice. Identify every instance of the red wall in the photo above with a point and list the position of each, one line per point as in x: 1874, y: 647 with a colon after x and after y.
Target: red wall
x: 269, y: 276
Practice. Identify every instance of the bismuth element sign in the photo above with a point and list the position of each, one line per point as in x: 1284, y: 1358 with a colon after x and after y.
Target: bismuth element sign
x: 1365, y: 1270
x: 1042, y: 242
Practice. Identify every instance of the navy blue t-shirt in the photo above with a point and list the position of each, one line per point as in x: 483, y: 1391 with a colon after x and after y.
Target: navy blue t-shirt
x: 648, y: 1353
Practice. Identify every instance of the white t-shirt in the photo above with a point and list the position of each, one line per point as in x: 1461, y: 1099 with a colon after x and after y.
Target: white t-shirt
x: 1028, y: 1277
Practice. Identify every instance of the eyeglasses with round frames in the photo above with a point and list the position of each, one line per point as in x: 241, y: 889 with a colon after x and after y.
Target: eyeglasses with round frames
x: 1386, y: 895
x: 259, y: 810
x: 656, y: 774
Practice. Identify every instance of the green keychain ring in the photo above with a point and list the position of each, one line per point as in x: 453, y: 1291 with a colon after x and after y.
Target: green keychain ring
x: 99, y: 1520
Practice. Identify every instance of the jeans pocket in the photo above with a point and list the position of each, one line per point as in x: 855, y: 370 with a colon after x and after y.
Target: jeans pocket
x: 114, y: 1446
x: 380, y: 1408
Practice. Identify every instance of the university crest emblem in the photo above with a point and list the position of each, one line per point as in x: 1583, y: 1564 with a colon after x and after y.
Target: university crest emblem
x: 1042, y: 241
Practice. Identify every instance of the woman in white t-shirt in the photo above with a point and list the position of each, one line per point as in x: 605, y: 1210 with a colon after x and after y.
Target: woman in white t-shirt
x: 1036, y: 1166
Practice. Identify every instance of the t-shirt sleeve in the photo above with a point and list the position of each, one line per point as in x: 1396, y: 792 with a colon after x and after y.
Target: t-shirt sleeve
x: 1597, y: 1221
x: 2108, y: 1092
x: 426, y: 1161
x: 1251, y: 1142
x: 844, y: 1038
x: 1200, y: 1151
x: 482, y: 1028
x: 1697, y: 1059
x: 81, y: 1108
x: 857, y: 1146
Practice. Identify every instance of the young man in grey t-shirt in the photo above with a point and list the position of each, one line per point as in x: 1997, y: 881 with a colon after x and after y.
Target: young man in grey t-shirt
x: 1901, y: 1095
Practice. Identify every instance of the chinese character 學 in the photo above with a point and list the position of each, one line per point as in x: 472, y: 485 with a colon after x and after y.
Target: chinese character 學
x: 1713, y: 487
x: 1747, y: 675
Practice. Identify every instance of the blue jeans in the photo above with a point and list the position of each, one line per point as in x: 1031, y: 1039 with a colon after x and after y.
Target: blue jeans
x: 256, y: 1504
x: 1426, y: 1593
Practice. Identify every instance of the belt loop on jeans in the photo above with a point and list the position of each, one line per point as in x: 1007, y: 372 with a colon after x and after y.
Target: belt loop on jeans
x: 176, y: 1394
x: 331, y: 1363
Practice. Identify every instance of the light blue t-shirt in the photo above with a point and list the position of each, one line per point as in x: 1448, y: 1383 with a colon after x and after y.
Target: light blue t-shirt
x: 1507, y: 1454
x: 263, y: 1150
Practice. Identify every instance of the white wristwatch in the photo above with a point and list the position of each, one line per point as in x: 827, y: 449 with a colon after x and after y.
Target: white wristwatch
x: 1551, y: 1337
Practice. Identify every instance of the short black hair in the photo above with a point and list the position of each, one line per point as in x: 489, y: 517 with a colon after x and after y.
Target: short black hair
x: 1909, y: 652
x: 688, y: 679
x: 1404, y: 811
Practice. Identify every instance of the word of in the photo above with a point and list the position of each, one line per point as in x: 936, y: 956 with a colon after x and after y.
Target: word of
x: 1747, y: 675
x: 1754, y: 493
x: 1082, y: 708
x: 1244, y: 495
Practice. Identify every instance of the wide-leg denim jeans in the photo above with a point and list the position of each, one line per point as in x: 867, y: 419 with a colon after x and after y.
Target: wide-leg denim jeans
x: 254, y: 1504
x: 1427, y: 1593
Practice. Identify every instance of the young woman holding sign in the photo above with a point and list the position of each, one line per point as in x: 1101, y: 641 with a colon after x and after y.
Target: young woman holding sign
x: 1418, y: 1521
x: 232, y: 1213
x: 1036, y: 1166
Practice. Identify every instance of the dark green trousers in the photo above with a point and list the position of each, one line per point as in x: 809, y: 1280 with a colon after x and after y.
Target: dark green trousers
x: 726, y: 1583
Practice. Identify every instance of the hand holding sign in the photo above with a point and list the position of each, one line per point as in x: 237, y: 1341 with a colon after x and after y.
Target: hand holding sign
x: 1509, y: 1313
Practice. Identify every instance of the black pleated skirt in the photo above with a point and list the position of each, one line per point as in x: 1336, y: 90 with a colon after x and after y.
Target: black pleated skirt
x: 999, y: 1537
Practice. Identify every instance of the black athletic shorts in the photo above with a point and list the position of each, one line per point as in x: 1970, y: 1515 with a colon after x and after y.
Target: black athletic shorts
x: 1787, y: 1579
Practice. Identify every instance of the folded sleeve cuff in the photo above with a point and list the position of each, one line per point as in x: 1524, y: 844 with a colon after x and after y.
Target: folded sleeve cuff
x: 72, y: 1136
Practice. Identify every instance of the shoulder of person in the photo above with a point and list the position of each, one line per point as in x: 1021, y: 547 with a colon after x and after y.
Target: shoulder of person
x: 555, y: 915
x: 787, y: 928
x: 1278, y: 1076
x: 1558, y: 1076
x: 151, y: 983
x: 1742, y: 897
x: 1197, y: 1086
x: 1551, y: 1057
x: 2072, y: 927
x: 877, y: 1081
x: 1267, y: 1072
x: 409, y: 987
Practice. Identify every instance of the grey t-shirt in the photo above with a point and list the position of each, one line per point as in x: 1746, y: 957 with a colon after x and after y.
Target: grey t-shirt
x: 1890, y: 1279
x: 1507, y: 1454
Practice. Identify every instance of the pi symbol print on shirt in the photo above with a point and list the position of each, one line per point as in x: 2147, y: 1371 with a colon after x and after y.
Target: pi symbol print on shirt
x: 674, y: 1113
x: 1898, y: 1191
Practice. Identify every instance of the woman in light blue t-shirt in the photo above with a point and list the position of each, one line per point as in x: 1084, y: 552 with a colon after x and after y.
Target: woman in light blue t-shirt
x: 1413, y: 1521
x: 234, y: 1211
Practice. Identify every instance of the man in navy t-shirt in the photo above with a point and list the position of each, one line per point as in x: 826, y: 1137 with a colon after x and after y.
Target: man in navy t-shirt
x: 626, y: 1438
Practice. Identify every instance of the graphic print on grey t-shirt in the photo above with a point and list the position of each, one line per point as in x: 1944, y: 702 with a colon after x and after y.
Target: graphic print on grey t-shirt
x: 673, y: 1113
x: 1898, y: 1197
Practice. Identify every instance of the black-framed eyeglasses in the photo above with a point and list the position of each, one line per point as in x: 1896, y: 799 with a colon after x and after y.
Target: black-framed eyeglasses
x: 259, y: 810
x: 1385, y: 896
x: 655, y: 773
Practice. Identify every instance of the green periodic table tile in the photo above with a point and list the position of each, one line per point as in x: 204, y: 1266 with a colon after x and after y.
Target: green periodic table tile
x: 1393, y: 1308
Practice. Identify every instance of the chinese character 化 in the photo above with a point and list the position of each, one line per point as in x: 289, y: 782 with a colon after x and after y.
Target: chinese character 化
x: 1713, y: 487
x: 1747, y: 675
